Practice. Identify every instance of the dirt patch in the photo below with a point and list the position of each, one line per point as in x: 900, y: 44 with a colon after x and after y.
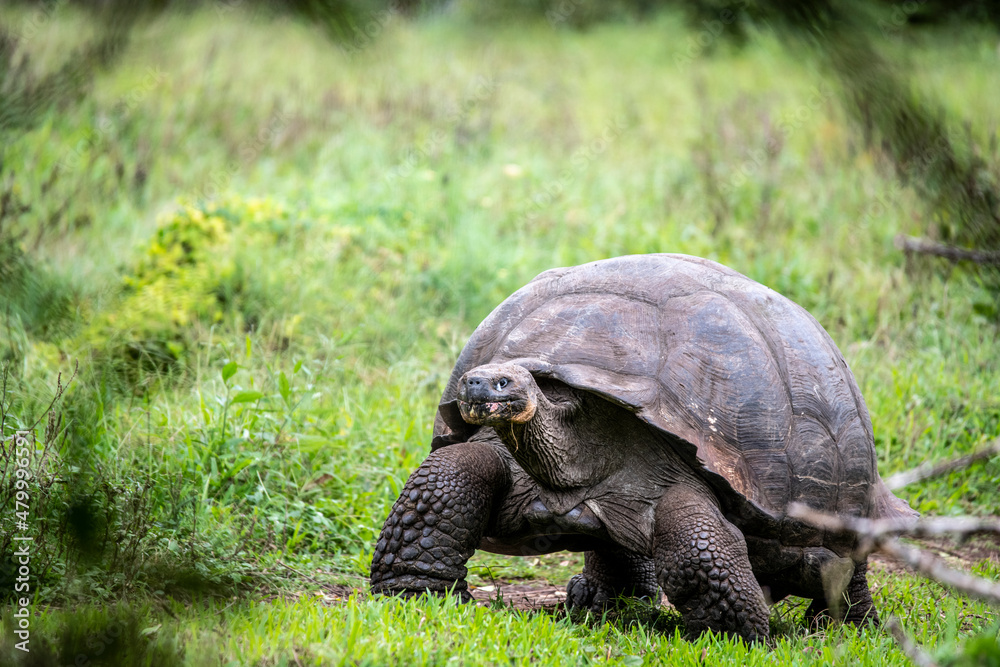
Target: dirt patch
x: 527, y: 596
x: 971, y: 552
x: 340, y: 593
x: 520, y: 595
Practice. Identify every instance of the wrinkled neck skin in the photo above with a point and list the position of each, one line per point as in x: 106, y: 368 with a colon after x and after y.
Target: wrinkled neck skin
x: 582, y: 450
x: 564, y: 445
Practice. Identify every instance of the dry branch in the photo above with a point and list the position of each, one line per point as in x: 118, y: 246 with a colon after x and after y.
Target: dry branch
x: 934, y: 568
x: 313, y: 580
x: 886, y: 528
x: 931, y: 469
x: 910, y: 244
x: 881, y: 535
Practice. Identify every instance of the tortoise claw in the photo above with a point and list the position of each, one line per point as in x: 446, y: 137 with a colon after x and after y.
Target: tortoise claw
x: 585, y: 595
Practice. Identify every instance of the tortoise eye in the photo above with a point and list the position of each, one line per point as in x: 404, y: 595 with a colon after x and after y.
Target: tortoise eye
x: 501, y: 383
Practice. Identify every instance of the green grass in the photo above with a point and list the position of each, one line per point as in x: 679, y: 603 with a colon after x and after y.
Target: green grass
x: 263, y: 393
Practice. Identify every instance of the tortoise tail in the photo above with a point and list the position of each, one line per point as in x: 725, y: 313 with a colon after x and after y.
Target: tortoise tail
x: 888, y: 506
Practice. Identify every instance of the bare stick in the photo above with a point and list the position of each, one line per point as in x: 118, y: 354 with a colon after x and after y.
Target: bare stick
x: 60, y: 390
x: 934, y: 568
x: 910, y: 244
x: 931, y: 469
x: 305, y: 576
x: 907, y: 645
x: 884, y: 528
x: 326, y: 587
x: 881, y: 535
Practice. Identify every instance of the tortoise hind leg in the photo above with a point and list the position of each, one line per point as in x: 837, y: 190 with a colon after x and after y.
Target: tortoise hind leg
x: 439, y: 520
x: 609, y: 574
x: 858, y: 604
x: 704, y: 567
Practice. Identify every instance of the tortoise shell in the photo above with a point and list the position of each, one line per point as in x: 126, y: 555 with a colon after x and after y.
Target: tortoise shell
x: 754, y: 390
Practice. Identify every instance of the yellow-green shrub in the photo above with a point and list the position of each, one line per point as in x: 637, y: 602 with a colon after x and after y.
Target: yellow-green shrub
x: 186, y: 279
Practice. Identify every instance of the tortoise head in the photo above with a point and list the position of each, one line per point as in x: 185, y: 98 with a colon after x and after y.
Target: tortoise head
x: 497, y: 394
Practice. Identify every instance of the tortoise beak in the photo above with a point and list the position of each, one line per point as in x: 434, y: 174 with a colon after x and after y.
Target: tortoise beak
x: 481, y: 401
x: 478, y: 389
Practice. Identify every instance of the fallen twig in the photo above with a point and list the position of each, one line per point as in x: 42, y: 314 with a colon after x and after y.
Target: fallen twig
x: 910, y: 244
x: 326, y: 587
x: 934, y: 568
x: 933, y: 469
x: 881, y: 535
x: 907, y: 645
x: 884, y: 528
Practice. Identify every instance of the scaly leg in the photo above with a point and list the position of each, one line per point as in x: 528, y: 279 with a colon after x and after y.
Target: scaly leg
x: 438, y: 521
x: 704, y: 568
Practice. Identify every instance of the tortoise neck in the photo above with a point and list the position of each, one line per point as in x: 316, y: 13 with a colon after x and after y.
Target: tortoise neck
x: 547, y: 426
x: 551, y: 447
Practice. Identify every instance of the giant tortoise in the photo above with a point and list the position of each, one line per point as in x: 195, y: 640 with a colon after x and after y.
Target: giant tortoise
x: 659, y: 413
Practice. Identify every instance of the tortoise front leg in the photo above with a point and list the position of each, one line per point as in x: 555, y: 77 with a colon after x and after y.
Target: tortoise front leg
x: 438, y: 521
x: 704, y: 568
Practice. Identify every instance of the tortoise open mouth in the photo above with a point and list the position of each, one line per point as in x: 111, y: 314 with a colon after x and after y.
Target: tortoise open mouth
x: 492, y: 412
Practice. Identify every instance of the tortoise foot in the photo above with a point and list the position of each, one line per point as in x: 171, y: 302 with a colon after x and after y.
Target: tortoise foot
x: 610, y: 578
x: 585, y: 595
